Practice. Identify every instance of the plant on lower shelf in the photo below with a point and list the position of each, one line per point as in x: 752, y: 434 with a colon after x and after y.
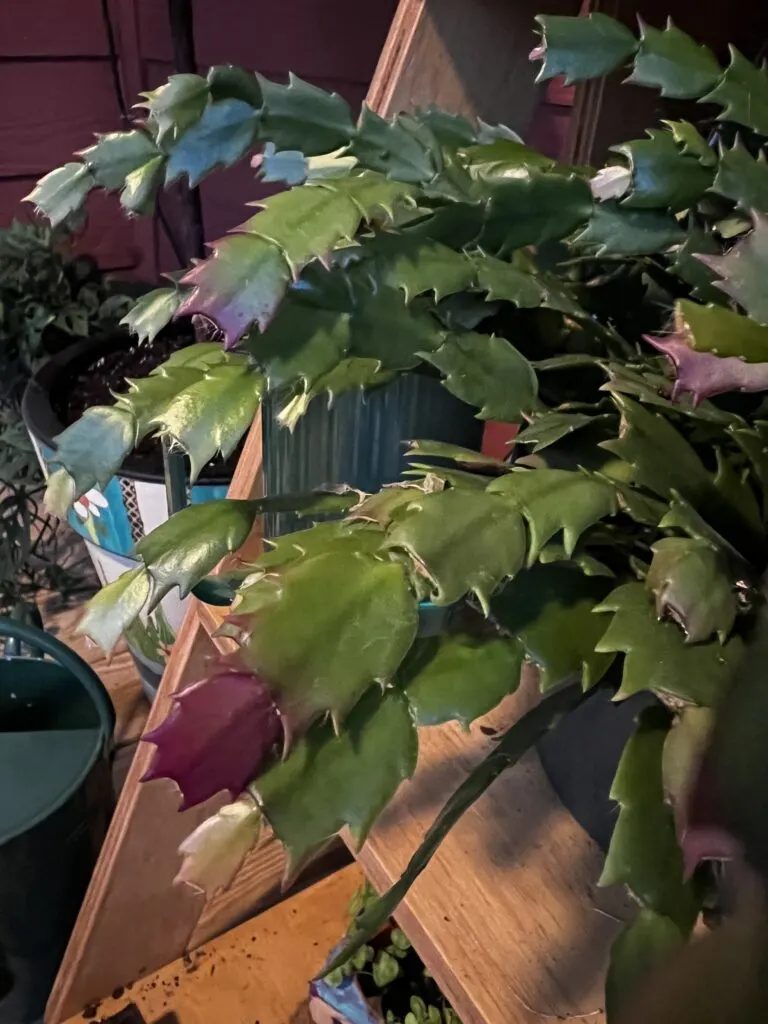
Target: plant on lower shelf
x: 384, y: 982
x: 621, y: 314
x: 49, y: 298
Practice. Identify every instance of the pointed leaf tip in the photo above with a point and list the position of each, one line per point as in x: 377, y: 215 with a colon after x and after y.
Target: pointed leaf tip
x: 217, y: 736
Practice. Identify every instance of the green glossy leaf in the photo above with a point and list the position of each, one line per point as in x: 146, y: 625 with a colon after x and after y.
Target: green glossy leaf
x: 462, y: 540
x: 373, y: 194
x: 226, y: 81
x: 684, y: 746
x: 693, y: 271
x: 753, y: 441
x: 638, y: 950
x: 302, y: 116
x: 148, y: 396
x: 657, y: 656
x: 742, y: 92
x: 692, y: 142
x: 503, y: 158
x: 122, y: 602
x: 305, y: 222
x: 90, y: 452
x: 533, y: 207
x: 744, y: 270
x: 193, y: 541
x: 423, y: 266
x: 390, y: 502
x: 241, y: 284
x: 337, y: 622
x: 670, y: 61
x: 116, y: 155
x: 351, y: 374
x: 521, y: 737
x: 328, y: 781
x: 212, y: 414
x: 183, y: 550
x: 322, y: 538
x: 141, y: 186
x: 61, y: 192
x: 661, y: 458
x: 507, y: 282
x: 489, y: 373
x: 221, y: 136
x: 742, y: 178
x: 176, y: 105
x: 460, y: 675
x: 582, y: 560
x: 734, y: 485
x: 385, y: 328
x: 722, y: 332
x: 552, y: 500
x: 551, y: 427
x: 692, y: 584
x: 449, y: 129
x: 644, y: 853
x: 548, y: 608
x: 581, y: 48
x: 616, y: 231
x: 463, y: 456
x: 400, y: 147
x: 300, y: 344
x: 662, y: 175
x: 152, y: 312
x: 385, y: 969
x: 428, y: 472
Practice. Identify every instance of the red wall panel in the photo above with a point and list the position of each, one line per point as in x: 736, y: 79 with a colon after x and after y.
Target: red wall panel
x: 339, y: 39
x: 51, y: 28
x: 49, y: 109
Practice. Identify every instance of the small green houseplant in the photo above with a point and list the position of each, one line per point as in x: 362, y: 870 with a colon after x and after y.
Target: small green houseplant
x: 49, y: 298
x: 620, y: 314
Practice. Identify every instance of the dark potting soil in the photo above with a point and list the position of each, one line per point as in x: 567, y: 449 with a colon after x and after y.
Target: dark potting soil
x: 95, y: 383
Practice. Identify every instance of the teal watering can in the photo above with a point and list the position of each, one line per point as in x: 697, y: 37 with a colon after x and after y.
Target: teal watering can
x: 56, y: 799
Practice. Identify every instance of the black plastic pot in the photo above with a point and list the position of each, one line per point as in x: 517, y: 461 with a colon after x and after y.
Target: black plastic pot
x: 56, y: 799
x: 580, y: 758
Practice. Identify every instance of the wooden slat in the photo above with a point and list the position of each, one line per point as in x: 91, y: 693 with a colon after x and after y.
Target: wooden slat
x: 257, y: 972
x: 471, y: 58
x: 507, y: 916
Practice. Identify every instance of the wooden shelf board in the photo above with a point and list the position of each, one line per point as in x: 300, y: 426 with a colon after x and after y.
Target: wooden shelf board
x: 507, y: 917
x: 259, y: 971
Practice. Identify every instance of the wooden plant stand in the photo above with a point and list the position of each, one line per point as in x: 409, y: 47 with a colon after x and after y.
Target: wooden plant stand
x: 506, y: 916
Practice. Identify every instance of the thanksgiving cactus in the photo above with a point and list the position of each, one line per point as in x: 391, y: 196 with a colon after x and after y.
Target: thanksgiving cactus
x: 619, y: 315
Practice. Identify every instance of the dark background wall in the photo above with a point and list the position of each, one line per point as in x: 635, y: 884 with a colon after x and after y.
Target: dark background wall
x: 57, y: 89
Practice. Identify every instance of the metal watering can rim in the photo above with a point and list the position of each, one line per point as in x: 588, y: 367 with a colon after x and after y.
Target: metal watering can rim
x: 64, y: 656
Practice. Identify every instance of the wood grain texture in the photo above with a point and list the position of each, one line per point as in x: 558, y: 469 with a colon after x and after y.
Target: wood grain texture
x: 257, y: 972
x: 507, y: 916
x: 471, y: 58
